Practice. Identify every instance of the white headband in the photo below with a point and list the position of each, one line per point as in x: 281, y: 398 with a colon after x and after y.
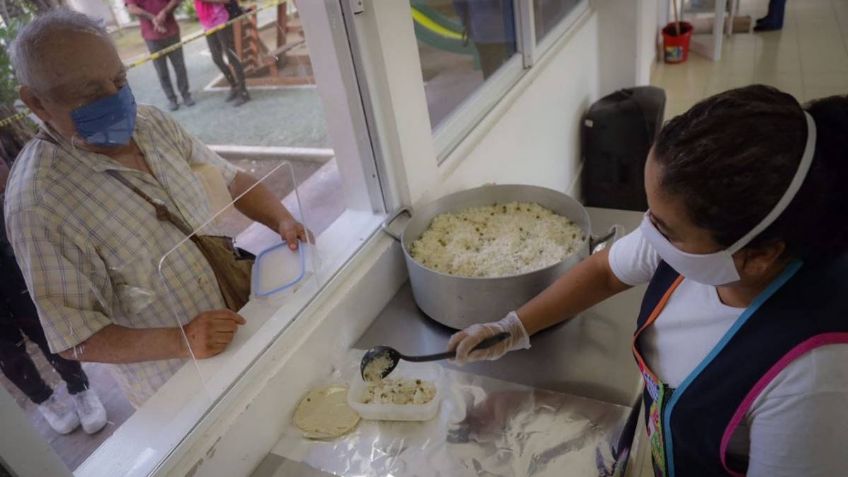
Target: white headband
x: 794, y: 186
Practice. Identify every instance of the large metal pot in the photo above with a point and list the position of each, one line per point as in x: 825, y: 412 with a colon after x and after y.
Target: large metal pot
x: 458, y: 302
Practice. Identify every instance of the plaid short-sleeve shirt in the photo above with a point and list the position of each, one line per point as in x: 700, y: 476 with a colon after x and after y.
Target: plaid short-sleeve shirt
x: 90, y: 248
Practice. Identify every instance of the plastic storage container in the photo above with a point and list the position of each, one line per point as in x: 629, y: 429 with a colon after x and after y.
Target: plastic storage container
x: 278, y: 270
x: 399, y: 412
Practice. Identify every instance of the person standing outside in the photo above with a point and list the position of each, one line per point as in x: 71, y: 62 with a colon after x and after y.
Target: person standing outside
x: 490, y: 24
x: 214, y: 13
x: 160, y: 30
x: 19, y: 318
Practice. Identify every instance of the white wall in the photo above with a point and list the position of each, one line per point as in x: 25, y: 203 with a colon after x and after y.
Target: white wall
x: 647, y: 38
x: 536, y: 140
x: 617, y: 30
x: 23, y: 451
x: 532, y: 135
x: 628, y: 32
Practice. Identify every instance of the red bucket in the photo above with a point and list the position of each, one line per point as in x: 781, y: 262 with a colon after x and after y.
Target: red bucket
x: 676, y: 47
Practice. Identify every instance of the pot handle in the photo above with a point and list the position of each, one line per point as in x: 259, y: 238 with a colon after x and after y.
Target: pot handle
x: 596, y: 244
x: 391, y: 219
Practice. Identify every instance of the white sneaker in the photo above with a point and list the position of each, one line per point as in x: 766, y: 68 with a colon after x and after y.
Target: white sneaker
x: 61, y: 417
x: 91, y: 412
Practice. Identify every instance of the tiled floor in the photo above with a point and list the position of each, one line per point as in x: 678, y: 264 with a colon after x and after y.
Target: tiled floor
x: 808, y: 58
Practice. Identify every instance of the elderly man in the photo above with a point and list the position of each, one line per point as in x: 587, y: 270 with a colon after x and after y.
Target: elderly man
x: 87, y: 238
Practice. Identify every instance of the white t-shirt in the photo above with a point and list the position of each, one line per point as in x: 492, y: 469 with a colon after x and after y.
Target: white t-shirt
x: 798, y: 426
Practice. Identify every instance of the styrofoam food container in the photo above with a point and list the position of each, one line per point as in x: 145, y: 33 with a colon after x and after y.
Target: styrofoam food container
x: 358, y: 390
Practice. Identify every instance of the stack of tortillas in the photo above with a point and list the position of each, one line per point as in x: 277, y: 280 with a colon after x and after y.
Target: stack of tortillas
x: 324, y: 413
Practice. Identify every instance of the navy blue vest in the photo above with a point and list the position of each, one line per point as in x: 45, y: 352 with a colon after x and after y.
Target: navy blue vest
x: 806, y: 307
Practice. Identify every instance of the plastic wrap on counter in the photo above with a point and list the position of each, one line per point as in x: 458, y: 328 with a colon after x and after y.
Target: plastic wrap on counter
x: 485, y: 427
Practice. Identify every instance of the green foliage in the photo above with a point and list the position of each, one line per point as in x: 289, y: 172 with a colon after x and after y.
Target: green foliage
x: 8, y: 83
x: 187, y: 7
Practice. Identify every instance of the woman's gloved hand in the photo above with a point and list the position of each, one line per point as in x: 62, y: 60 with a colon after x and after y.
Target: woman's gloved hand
x: 465, y: 341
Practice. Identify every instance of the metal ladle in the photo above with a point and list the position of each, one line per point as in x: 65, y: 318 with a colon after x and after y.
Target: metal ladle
x: 394, y: 356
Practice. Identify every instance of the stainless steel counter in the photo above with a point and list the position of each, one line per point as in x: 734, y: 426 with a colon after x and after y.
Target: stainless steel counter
x: 587, y: 356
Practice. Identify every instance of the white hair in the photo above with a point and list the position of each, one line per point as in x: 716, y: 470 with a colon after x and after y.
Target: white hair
x: 26, y: 52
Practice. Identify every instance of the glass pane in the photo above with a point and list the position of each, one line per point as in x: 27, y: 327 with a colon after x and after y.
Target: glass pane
x: 549, y: 13
x: 461, y: 44
x: 242, y: 94
x: 252, y: 82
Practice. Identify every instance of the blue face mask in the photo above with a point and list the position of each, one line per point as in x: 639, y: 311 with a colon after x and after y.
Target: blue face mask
x: 109, y: 121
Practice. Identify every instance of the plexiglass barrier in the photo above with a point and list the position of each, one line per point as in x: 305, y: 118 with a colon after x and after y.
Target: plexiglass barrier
x: 255, y: 248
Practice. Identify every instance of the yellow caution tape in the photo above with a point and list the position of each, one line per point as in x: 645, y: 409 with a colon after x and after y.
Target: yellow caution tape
x: 431, y: 25
x: 176, y: 46
x: 164, y: 51
x: 11, y: 119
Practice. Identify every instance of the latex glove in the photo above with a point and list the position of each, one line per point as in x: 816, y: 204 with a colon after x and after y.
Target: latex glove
x: 465, y: 340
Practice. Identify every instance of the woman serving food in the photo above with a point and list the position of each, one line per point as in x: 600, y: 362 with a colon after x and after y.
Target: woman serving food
x: 742, y: 338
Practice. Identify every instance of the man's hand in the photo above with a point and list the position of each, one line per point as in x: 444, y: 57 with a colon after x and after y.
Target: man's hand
x: 158, y: 25
x: 257, y: 202
x: 291, y: 231
x: 161, y: 18
x: 210, y: 332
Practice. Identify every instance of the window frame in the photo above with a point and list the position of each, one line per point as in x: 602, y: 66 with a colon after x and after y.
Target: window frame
x: 468, y: 115
x: 553, y: 37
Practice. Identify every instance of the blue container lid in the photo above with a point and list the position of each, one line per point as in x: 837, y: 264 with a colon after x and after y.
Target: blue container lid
x: 277, y: 269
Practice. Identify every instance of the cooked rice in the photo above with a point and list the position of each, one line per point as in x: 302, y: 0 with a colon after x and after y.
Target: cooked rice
x: 400, y: 391
x: 497, y: 241
x: 378, y: 366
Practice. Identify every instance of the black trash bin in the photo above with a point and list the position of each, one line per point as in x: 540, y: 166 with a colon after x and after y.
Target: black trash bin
x: 617, y: 134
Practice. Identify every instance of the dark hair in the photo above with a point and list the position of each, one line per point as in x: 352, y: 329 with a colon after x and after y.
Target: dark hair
x: 732, y: 156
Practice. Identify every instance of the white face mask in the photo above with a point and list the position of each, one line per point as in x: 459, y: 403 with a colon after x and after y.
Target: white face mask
x: 718, y: 268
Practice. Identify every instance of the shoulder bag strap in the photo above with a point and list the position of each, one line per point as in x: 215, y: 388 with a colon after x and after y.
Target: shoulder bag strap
x: 162, y: 212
